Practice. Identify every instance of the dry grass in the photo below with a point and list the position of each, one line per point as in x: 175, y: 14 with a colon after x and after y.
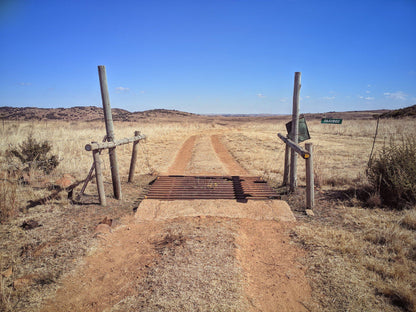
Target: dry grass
x: 409, y: 219
x: 364, y: 262
x: 358, y: 258
x: 42, y: 255
x: 8, y: 193
x: 69, y: 139
x: 196, y: 254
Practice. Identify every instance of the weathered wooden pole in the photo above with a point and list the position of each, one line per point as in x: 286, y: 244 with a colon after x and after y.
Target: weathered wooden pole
x: 310, y: 183
x: 287, y: 166
x: 295, y: 147
x: 133, y: 157
x: 110, y: 131
x: 99, y: 177
x: 294, y: 134
x: 104, y: 145
x: 89, y: 176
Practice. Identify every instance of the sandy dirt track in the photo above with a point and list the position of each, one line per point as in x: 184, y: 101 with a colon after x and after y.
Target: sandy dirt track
x: 256, y: 269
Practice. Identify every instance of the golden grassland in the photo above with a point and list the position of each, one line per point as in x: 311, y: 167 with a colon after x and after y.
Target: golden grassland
x: 361, y: 257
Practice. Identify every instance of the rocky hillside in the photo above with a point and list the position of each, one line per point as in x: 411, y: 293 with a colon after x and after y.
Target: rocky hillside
x: 83, y: 113
x: 409, y: 111
x: 93, y: 113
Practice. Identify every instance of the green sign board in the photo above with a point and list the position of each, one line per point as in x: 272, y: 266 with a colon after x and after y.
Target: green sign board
x: 303, y: 130
x: 335, y: 121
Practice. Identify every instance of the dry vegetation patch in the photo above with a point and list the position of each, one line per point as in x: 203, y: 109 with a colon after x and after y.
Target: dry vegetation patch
x: 365, y: 261
x: 358, y: 258
x: 38, y: 257
x: 196, y: 270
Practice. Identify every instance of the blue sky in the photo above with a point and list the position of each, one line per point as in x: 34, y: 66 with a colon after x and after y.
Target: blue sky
x: 216, y: 56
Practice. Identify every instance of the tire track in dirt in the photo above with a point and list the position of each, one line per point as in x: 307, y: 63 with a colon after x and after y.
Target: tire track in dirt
x: 191, y: 147
x: 274, y: 280
x: 204, y: 160
x: 111, y: 272
x: 183, y: 157
x: 233, y: 167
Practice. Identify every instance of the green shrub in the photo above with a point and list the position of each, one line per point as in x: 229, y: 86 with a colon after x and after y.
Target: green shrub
x: 392, y: 173
x: 35, y: 155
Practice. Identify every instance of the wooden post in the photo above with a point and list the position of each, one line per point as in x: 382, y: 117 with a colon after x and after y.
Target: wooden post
x: 106, y: 103
x: 133, y: 157
x: 294, y: 134
x: 99, y: 177
x: 287, y: 166
x: 110, y: 131
x: 310, y: 183
x: 89, y: 176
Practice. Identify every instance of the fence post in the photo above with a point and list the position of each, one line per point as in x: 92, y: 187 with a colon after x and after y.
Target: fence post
x: 310, y: 183
x: 133, y: 158
x: 110, y: 131
x: 287, y: 166
x: 294, y: 134
x: 99, y: 177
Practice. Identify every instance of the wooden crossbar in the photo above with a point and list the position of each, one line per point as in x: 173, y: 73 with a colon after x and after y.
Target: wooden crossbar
x: 298, y: 149
x: 99, y: 146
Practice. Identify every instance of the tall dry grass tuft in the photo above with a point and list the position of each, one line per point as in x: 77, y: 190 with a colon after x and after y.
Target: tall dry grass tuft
x: 392, y: 172
x: 409, y: 219
x: 8, y: 199
x: 6, y: 303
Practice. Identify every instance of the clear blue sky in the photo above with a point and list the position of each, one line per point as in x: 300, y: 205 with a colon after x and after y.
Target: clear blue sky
x: 216, y: 56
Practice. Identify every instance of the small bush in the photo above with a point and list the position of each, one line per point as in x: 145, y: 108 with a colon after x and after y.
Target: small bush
x: 35, y: 155
x: 392, y: 173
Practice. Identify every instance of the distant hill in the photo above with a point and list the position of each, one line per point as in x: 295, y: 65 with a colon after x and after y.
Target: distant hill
x: 400, y: 113
x: 84, y: 113
x: 93, y: 113
x: 349, y: 115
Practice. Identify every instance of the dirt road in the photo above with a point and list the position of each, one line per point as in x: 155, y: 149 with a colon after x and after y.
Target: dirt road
x: 193, y: 255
